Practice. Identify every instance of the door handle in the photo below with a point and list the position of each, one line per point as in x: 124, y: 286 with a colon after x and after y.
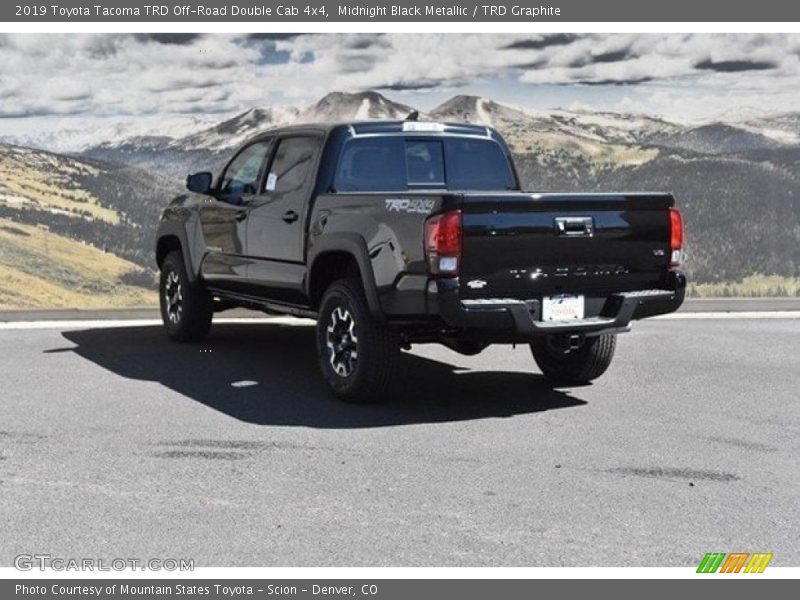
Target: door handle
x: 241, y: 215
x: 290, y: 216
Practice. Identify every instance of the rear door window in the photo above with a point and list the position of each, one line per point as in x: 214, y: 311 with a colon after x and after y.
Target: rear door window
x: 291, y: 167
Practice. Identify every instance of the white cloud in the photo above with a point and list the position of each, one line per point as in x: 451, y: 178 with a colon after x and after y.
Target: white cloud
x: 128, y: 75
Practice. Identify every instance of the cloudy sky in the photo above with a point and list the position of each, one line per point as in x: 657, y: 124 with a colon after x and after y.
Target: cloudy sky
x: 678, y: 76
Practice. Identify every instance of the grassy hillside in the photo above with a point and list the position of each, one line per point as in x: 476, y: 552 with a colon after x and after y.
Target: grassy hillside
x: 742, y: 216
x: 46, y: 182
x: 111, y: 206
x: 41, y: 269
x: 76, y: 232
x: 754, y: 286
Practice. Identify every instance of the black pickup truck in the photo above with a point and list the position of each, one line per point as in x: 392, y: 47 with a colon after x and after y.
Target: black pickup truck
x: 404, y: 232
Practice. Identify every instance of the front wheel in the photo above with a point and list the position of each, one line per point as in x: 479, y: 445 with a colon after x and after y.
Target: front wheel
x: 578, y: 366
x: 186, y: 307
x: 357, y: 353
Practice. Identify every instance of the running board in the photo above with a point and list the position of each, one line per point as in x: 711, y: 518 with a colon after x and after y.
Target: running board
x: 253, y: 302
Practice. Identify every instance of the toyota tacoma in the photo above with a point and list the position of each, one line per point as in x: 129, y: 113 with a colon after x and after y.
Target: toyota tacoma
x: 407, y: 232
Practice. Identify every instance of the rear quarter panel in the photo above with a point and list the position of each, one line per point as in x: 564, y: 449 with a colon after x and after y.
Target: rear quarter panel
x: 391, y: 225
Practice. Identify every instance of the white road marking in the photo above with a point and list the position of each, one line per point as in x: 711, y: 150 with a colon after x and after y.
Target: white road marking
x: 294, y: 321
x: 109, y: 323
x: 750, y: 314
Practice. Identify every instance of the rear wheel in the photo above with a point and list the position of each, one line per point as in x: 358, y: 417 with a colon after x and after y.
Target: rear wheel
x: 186, y: 307
x: 357, y: 353
x: 577, y: 366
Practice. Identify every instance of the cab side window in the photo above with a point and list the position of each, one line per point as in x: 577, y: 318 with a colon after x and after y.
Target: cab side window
x: 243, y: 173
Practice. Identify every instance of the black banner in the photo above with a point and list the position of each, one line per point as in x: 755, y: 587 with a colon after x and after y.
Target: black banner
x: 305, y: 11
x: 389, y: 589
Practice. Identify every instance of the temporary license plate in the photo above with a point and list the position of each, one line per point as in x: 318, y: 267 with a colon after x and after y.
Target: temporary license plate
x: 562, y: 308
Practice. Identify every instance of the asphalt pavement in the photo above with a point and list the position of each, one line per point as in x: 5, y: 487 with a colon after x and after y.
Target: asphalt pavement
x: 115, y: 442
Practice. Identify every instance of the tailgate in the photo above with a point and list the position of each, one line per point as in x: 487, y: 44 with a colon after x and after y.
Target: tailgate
x: 529, y: 245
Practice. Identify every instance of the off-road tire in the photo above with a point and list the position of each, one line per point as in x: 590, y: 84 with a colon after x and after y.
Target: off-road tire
x: 344, y: 315
x: 576, y: 367
x: 190, y: 320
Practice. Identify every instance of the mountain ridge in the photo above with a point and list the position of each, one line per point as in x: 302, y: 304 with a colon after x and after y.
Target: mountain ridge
x: 580, y: 132
x: 201, y: 133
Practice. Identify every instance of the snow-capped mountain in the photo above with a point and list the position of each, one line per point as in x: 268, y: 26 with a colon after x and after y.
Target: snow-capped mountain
x: 575, y: 132
x: 232, y: 132
x: 598, y: 126
x: 595, y: 136
x: 474, y: 109
x: 783, y: 128
x: 336, y: 106
x: 558, y: 137
x: 77, y: 134
x: 340, y: 106
x: 615, y: 128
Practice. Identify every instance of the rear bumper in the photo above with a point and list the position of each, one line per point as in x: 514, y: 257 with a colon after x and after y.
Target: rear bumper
x: 512, y: 319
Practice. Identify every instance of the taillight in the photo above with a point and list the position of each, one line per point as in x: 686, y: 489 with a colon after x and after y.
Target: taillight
x: 675, y: 237
x: 443, y: 243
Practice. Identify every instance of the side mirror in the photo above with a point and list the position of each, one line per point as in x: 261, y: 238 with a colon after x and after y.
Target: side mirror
x: 200, y: 183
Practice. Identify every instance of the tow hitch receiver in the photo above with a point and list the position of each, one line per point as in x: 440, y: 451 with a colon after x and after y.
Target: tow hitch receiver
x: 566, y: 342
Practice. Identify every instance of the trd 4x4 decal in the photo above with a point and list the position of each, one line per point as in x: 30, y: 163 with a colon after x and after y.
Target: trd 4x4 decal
x: 410, y: 205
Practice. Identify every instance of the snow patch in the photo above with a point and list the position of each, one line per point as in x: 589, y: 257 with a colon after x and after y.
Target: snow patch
x: 363, y: 110
x: 480, y: 112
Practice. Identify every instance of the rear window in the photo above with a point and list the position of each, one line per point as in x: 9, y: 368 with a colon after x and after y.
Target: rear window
x: 477, y: 165
x: 424, y: 163
x: 372, y: 164
x: 396, y: 163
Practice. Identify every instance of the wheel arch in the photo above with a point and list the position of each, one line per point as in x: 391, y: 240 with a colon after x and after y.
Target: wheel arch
x: 336, y: 257
x: 172, y: 239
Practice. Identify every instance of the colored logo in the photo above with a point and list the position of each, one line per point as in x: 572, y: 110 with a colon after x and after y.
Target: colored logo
x: 735, y: 562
